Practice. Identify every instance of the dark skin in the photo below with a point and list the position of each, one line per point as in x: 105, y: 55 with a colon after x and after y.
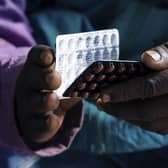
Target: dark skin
x: 39, y: 111
x: 40, y: 114
x: 142, y: 101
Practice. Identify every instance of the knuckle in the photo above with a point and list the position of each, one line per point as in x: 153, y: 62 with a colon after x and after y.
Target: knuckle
x: 53, y: 80
x: 41, y: 54
x: 52, y: 101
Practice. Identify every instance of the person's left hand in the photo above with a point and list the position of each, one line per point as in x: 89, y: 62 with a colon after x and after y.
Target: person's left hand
x: 142, y: 101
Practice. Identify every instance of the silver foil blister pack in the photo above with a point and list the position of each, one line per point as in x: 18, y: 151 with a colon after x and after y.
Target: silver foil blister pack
x: 75, y: 52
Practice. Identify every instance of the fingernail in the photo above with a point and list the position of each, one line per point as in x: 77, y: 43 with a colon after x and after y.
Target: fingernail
x: 106, y: 98
x: 99, y: 104
x: 46, y: 58
x: 154, y: 54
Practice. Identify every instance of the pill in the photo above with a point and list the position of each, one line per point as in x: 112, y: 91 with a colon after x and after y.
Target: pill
x: 101, y: 77
x: 110, y: 68
x: 82, y: 85
x: 121, y: 68
x: 85, y: 95
x: 89, y: 76
x: 98, y: 67
x: 92, y: 86
x: 74, y: 94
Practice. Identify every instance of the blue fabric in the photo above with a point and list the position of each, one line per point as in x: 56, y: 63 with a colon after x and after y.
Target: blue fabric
x: 154, y: 159
x: 105, y: 134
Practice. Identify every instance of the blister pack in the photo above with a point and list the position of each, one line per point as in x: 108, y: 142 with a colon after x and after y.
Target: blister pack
x: 103, y: 74
x: 76, y: 52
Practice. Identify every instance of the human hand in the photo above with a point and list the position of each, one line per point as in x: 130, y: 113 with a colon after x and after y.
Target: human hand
x: 39, y: 112
x: 142, y: 101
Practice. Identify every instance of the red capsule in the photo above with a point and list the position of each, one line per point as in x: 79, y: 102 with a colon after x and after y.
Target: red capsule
x: 89, y: 76
x: 92, y: 86
x: 97, y: 68
x: 110, y: 68
x: 82, y: 85
x: 85, y: 95
x: 101, y: 77
x: 121, y: 68
x: 74, y: 94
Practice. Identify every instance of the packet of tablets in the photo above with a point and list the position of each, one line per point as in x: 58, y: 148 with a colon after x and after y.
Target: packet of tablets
x: 75, y: 52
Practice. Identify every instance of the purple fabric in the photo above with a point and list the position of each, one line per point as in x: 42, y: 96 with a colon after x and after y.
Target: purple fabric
x: 15, y: 42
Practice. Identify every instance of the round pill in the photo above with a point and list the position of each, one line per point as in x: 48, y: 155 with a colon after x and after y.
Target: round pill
x: 74, y: 94
x: 121, y: 68
x: 110, y: 68
x: 89, y: 76
x: 85, y: 95
x: 92, y: 86
x: 98, y: 67
x: 81, y: 86
x: 101, y: 77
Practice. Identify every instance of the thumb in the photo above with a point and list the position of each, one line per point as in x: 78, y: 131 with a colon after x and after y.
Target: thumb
x: 156, y: 58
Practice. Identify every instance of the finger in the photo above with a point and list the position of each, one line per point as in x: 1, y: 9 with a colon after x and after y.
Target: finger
x: 156, y: 58
x: 41, y: 55
x: 42, y: 127
x: 142, y: 110
x: 159, y: 125
x: 42, y: 103
x: 42, y: 79
x: 138, y: 88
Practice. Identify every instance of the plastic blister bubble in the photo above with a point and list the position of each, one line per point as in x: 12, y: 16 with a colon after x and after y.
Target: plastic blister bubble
x: 78, y: 51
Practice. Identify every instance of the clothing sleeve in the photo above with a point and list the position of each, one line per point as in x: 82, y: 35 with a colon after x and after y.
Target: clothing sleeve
x: 15, y: 42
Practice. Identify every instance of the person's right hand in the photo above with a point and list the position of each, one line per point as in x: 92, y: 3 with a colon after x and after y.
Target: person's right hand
x: 39, y: 112
x: 142, y: 101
